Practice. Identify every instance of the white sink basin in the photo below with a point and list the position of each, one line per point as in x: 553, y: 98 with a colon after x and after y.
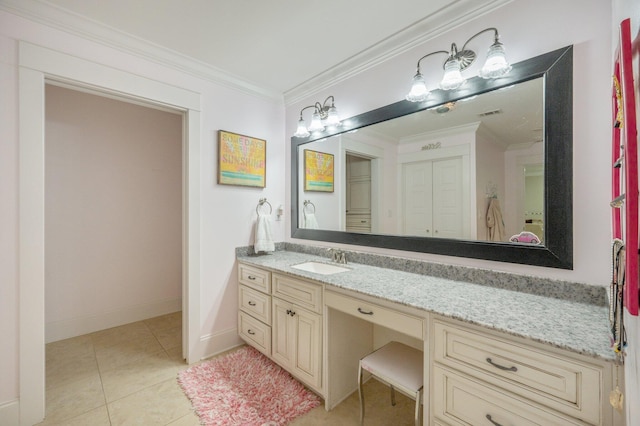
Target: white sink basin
x: 320, y: 268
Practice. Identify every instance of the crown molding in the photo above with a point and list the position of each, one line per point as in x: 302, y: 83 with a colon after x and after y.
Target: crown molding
x: 53, y: 16
x: 455, y: 14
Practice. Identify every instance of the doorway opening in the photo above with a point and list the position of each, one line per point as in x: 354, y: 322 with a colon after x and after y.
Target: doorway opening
x: 113, y: 212
x: 38, y: 66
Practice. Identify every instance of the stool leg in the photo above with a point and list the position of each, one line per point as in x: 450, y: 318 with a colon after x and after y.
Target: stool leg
x: 360, y: 394
x: 393, y: 395
x: 418, y: 408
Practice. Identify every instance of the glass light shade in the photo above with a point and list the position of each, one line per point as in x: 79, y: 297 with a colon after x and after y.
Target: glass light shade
x: 302, y: 131
x: 419, y: 91
x: 496, y: 64
x: 316, y: 123
x: 452, y: 78
x: 333, y: 120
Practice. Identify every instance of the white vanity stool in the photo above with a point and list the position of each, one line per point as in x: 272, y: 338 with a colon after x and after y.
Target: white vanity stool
x: 399, y: 366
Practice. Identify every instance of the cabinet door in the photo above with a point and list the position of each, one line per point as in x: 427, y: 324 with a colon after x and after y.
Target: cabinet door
x: 308, y: 335
x: 296, y: 341
x: 282, y: 333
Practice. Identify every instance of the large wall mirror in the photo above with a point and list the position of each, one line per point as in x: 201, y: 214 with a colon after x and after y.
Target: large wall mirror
x: 441, y: 176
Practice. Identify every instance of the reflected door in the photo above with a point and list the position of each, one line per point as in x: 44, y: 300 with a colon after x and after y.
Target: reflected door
x: 432, y: 198
x: 358, y: 193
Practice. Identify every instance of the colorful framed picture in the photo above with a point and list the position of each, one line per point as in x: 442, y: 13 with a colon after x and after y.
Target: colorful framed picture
x: 318, y: 171
x: 242, y: 160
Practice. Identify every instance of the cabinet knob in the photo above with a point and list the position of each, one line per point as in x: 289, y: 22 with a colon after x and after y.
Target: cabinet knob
x: 492, y: 421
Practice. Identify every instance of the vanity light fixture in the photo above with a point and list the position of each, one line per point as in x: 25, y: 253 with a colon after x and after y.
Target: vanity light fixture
x: 495, y: 66
x: 324, y: 116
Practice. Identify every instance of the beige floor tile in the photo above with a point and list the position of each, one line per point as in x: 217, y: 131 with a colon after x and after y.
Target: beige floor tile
x: 175, y: 354
x: 165, y: 321
x: 137, y: 375
x: 169, y: 338
x: 159, y: 404
x: 378, y: 410
x: 191, y: 419
x: 96, y: 417
x: 113, y: 356
x: 73, y: 399
x: 75, y: 346
x: 64, y: 369
x: 124, y: 333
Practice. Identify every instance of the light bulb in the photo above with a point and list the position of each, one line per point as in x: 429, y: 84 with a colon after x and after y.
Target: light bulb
x: 452, y: 78
x: 302, y: 131
x: 316, y: 123
x: 496, y: 64
x: 333, y: 120
x: 418, y: 92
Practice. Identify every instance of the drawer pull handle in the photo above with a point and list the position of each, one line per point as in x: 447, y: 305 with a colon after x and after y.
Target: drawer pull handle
x: 251, y: 277
x: 500, y: 366
x: 251, y: 332
x: 290, y: 312
x: 252, y: 303
x: 492, y: 421
x: 365, y: 312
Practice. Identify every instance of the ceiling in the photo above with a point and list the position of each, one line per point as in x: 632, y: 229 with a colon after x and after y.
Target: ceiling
x: 276, y: 45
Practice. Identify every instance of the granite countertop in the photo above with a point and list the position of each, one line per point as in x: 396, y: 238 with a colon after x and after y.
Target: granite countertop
x: 578, y: 327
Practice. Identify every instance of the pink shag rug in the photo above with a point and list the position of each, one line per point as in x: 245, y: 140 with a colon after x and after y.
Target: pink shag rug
x: 245, y: 388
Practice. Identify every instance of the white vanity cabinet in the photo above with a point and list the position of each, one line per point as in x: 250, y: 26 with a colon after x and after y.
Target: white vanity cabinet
x: 254, y: 313
x: 297, y: 328
x: 483, y: 377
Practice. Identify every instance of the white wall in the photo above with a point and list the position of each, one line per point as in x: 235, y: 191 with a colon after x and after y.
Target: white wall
x: 113, y: 236
x: 623, y: 9
x: 527, y: 29
x: 226, y: 213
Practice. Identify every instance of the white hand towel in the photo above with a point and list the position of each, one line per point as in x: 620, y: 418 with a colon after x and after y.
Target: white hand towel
x: 263, y: 239
x: 310, y: 221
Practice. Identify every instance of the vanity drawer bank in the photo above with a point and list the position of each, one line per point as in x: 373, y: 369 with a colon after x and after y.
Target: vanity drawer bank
x: 492, y: 356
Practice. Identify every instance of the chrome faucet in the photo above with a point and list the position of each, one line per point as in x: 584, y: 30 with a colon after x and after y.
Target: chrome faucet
x: 338, y: 256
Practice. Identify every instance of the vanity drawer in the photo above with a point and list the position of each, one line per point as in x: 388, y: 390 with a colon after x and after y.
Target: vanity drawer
x: 557, y: 381
x: 459, y: 400
x: 302, y: 293
x: 386, y: 317
x: 255, y: 333
x: 254, y: 278
x: 255, y: 303
x: 361, y: 220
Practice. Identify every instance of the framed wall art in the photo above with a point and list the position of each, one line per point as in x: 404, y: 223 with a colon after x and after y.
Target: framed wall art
x: 318, y: 171
x: 242, y: 160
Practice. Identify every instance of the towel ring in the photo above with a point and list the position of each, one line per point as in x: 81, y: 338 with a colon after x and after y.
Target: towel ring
x: 307, y: 203
x: 262, y: 202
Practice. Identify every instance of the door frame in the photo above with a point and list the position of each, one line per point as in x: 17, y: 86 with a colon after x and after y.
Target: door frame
x: 37, y: 65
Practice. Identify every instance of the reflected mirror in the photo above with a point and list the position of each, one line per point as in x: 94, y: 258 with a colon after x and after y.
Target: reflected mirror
x: 482, y: 172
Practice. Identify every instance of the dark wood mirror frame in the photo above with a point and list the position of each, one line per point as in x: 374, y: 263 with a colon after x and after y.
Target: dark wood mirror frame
x: 557, y: 252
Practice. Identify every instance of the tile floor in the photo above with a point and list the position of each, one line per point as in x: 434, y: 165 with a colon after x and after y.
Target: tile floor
x: 127, y: 376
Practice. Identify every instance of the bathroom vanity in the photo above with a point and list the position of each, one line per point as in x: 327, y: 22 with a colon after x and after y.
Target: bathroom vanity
x: 491, y: 355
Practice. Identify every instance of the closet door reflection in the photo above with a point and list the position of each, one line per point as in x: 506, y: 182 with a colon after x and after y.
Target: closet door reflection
x: 432, y: 199
x: 358, y: 194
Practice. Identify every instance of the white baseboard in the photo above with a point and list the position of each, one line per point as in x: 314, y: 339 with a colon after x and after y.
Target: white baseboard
x: 10, y: 413
x: 215, y: 343
x: 58, y: 330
